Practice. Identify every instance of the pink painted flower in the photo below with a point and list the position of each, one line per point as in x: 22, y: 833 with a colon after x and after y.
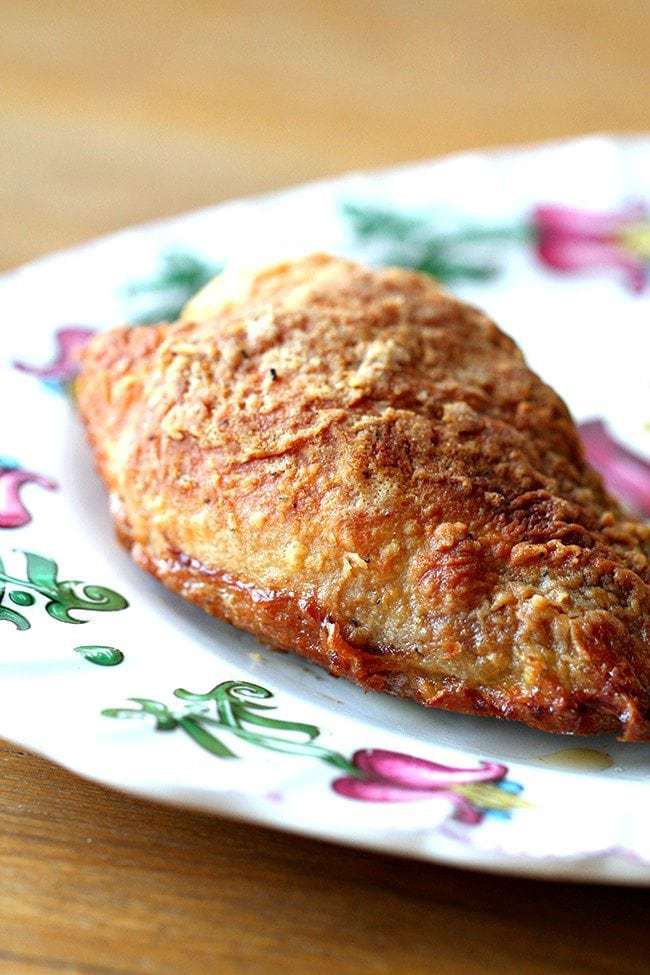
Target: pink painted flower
x: 13, y: 513
x: 395, y: 777
x: 624, y: 474
x: 578, y: 240
x: 64, y: 366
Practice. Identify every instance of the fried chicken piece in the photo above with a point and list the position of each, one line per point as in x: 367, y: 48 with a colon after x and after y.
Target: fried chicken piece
x: 353, y: 465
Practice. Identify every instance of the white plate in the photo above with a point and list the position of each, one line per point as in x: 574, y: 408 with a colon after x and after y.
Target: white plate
x: 586, y: 331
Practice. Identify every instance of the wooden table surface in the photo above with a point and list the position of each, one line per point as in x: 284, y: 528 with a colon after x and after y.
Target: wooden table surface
x: 117, y: 112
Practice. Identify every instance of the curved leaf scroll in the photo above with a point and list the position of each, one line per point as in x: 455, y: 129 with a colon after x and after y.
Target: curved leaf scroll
x: 62, y: 597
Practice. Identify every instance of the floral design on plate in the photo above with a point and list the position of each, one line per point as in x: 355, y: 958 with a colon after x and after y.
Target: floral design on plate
x: 564, y: 239
x: 158, y: 298
x: 162, y: 296
x: 101, y: 655
x: 624, y: 474
x: 572, y: 241
x: 13, y: 513
x: 63, y: 367
x: 62, y: 596
x: 372, y: 775
x: 387, y: 776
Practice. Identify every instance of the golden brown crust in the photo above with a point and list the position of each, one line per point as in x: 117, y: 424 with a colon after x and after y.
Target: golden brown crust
x: 354, y: 465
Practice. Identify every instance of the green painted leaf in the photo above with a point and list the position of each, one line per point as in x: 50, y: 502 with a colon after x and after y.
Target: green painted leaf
x: 238, y: 704
x: 62, y: 596
x: 102, y: 656
x: 126, y: 713
x: 234, y: 689
x: 11, y: 616
x: 97, y: 598
x: 177, y: 279
x: 372, y: 222
x: 287, y: 746
x: 165, y: 720
x: 237, y: 710
x: 21, y: 598
x: 202, y: 737
x: 41, y: 572
x: 311, y: 731
x: 426, y: 243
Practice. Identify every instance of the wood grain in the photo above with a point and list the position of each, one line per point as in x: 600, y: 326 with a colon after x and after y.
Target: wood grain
x: 99, y: 883
x: 114, y: 113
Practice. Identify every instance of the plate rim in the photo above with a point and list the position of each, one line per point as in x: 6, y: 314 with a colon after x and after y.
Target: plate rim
x: 605, y: 867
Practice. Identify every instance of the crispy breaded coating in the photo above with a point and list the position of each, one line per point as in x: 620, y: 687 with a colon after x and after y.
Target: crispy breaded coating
x: 354, y: 465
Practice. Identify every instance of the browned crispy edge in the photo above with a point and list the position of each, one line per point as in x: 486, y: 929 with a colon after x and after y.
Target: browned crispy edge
x: 294, y: 623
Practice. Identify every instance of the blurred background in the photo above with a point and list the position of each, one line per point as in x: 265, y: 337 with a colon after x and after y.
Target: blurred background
x: 118, y: 112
